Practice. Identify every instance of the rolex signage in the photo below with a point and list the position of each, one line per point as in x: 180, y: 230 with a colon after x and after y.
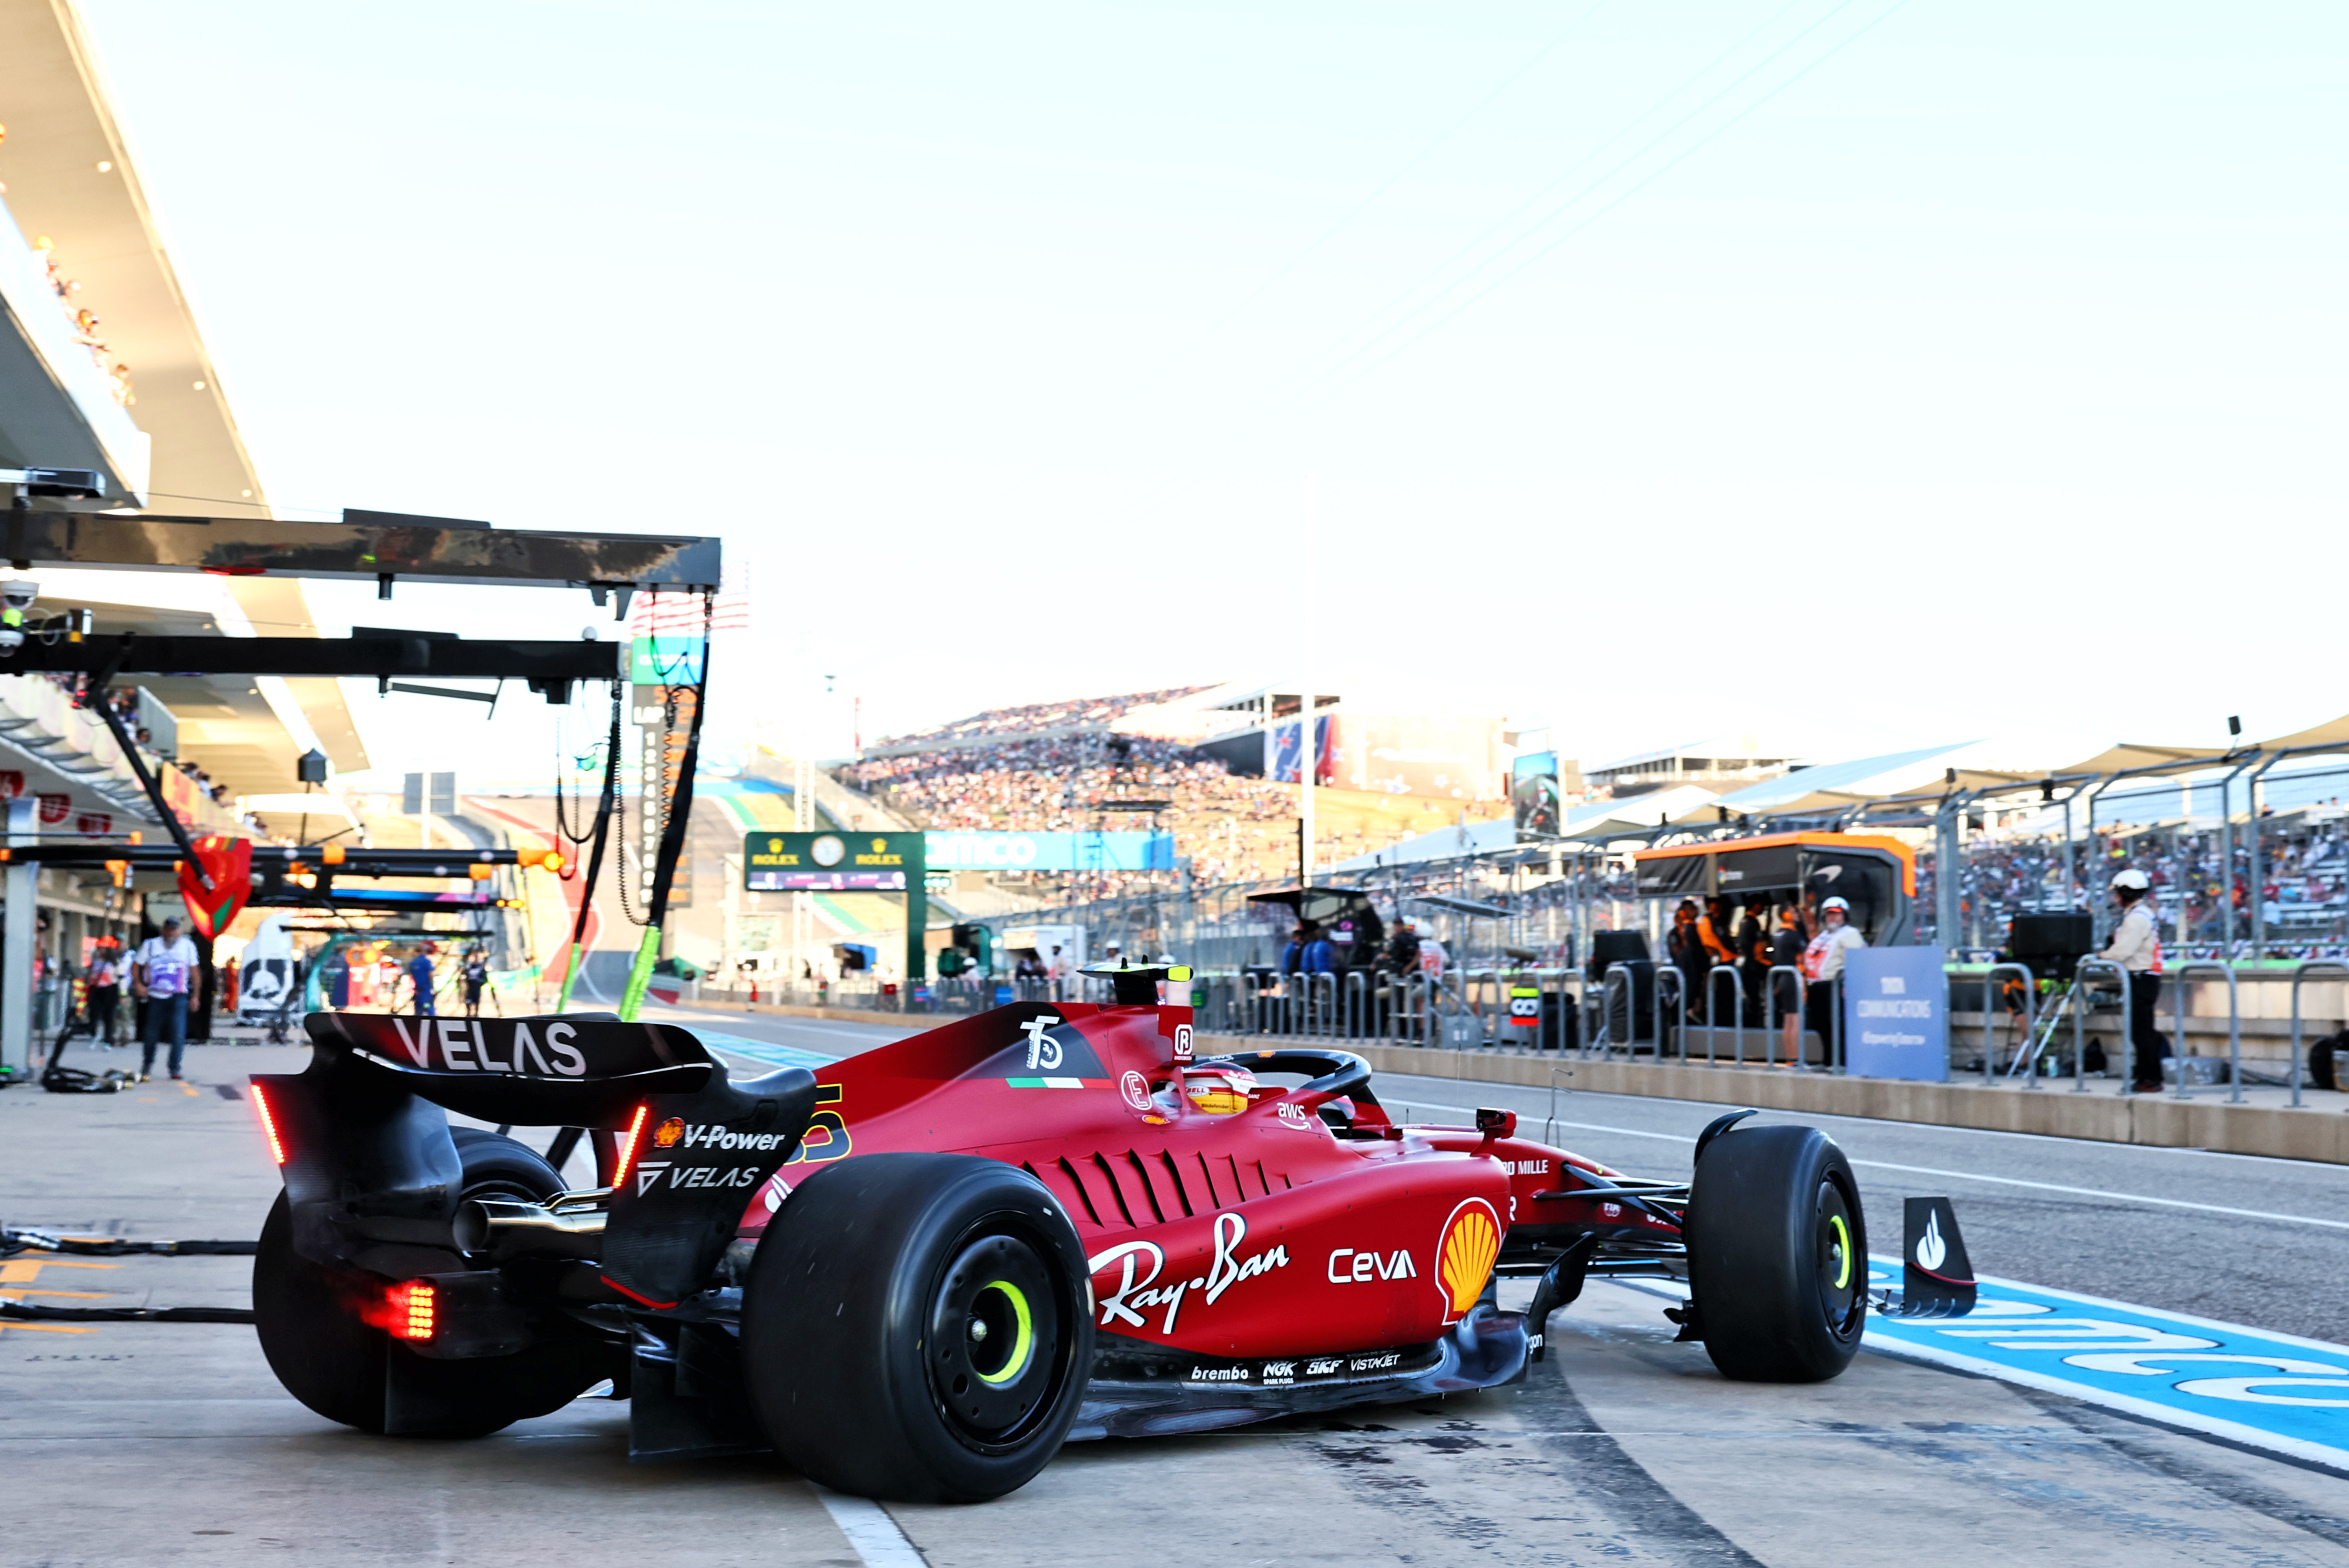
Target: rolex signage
x: 833, y: 862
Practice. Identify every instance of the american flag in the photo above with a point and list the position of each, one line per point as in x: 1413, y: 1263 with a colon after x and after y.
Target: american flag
x: 679, y: 615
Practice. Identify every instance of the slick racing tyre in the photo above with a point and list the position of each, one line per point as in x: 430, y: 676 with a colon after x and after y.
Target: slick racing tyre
x: 1777, y: 1255
x: 916, y: 1328
x: 311, y: 1321
x: 309, y: 1317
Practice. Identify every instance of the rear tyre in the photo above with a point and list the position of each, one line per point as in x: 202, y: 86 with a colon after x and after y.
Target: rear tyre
x: 311, y: 1332
x: 916, y: 1328
x: 499, y: 1166
x: 311, y: 1321
x: 1777, y: 1255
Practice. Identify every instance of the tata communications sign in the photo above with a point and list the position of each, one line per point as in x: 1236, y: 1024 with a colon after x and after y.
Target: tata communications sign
x: 1896, y: 1020
x: 880, y: 862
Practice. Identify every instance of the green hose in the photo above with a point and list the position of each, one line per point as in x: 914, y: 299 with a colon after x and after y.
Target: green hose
x: 640, y: 974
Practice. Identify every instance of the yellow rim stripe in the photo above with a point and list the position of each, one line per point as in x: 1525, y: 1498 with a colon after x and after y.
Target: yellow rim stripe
x: 1022, y: 1346
x: 1843, y: 1242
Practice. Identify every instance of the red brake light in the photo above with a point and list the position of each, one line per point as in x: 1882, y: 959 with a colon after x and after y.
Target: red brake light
x: 269, y: 1126
x: 412, y: 1310
x: 628, y: 1141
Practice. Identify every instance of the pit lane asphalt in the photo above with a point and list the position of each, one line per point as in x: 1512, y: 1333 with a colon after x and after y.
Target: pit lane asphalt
x: 172, y: 1442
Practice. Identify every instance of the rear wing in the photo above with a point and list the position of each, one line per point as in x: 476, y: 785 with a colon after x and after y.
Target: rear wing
x: 372, y: 1175
x: 578, y: 1069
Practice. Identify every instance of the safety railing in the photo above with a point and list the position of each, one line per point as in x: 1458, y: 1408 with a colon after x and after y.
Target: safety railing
x: 1712, y: 978
x: 2177, y: 1006
x: 1672, y: 1018
x: 1774, y: 1018
x: 2029, y: 1044
x: 2082, y: 1003
x: 2299, y: 974
x: 1603, y: 1038
x: 2082, y: 1000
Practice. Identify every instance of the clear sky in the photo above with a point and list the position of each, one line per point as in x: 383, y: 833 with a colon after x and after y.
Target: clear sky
x: 1657, y: 370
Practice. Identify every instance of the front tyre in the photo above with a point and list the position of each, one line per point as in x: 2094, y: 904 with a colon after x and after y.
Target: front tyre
x: 916, y: 1328
x: 1777, y: 1255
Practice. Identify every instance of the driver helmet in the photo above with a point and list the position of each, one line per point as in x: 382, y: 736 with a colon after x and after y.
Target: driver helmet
x: 2132, y: 878
x: 1826, y: 904
x: 1219, y: 1091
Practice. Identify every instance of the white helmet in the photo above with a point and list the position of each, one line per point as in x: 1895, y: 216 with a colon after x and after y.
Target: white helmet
x: 2132, y: 878
x: 1826, y: 904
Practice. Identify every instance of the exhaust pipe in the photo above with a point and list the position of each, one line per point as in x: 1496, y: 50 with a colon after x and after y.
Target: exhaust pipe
x: 508, y: 1230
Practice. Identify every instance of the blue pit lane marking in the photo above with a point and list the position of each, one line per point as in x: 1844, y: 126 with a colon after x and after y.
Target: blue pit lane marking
x: 764, y: 1051
x: 2265, y: 1390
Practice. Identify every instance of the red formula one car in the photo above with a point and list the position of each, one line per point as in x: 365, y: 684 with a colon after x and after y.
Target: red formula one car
x: 919, y: 1275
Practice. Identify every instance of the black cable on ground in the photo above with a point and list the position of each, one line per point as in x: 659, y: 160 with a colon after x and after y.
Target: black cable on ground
x: 11, y: 1242
x: 17, y: 1312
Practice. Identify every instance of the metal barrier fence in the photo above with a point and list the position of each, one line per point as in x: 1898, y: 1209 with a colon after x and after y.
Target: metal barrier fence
x: 1712, y: 1013
x: 1469, y: 1009
x: 2298, y: 975
x: 2030, y: 1043
x: 2235, y: 1028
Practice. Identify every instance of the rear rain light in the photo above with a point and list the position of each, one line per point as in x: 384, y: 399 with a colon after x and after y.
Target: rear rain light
x: 628, y: 1142
x: 412, y: 1311
x: 268, y: 1125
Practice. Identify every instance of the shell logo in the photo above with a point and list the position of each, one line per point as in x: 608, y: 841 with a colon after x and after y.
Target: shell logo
x: 669, y: 1132
x: 1464, y: 1254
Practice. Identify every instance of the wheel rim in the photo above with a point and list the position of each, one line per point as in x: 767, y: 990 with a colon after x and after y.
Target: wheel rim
x: 1841, y: 1270
x: 994, y: 1336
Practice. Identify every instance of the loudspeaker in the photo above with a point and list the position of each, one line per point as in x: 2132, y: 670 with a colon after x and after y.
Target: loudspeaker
x: 2068, y: 933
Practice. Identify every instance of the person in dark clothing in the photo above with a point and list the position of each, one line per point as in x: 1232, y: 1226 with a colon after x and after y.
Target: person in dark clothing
x: 1292, y: 957
x: 1753, y: 955
x: 1402, y: 956
x: 1786, y: 945
x: 476, y: 975
x: 1685, y: 949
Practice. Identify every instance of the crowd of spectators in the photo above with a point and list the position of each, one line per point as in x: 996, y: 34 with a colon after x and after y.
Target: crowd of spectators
x: 1036, y: 716
x: 2303, y: 892
x: 1073, y: 785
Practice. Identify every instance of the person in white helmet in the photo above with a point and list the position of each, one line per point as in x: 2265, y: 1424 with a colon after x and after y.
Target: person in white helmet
x: 2136, y: 947
x: 1823, y: 966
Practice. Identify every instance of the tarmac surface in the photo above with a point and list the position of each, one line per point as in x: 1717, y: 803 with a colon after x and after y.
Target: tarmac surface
x: 135, y: 1442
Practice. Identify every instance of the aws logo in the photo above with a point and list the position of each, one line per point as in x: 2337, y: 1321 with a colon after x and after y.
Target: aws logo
x: 1465, y: 1251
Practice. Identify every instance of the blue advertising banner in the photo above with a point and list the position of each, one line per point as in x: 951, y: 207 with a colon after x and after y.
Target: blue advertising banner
x: 1896, y: 1013
x: 1051, y: 852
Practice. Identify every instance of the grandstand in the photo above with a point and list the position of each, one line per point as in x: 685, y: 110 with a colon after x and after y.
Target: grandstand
x: 988, y: 773
x: 1033, y: 721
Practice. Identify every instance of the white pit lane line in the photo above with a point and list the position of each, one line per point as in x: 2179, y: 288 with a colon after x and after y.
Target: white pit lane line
x: 872, y: 1533
x: 1944, y: 1175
